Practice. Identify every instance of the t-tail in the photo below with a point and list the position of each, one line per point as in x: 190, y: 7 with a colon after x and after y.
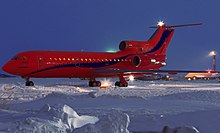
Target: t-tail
x: 161, y: 38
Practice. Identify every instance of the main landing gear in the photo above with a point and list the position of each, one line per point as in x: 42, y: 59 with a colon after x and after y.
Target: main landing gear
x: 29, y: 83
x: 122, y: 82
x: 93, y: 83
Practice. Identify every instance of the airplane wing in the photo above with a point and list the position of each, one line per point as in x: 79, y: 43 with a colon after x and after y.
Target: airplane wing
x: 118, y: 71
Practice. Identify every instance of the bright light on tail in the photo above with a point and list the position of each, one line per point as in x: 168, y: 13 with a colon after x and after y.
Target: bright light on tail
x: 160, y: 23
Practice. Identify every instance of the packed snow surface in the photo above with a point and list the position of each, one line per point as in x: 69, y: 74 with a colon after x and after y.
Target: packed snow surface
x: 69, y: 105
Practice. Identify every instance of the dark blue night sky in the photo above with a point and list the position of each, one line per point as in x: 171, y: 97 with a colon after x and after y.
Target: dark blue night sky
x: 99, y: 25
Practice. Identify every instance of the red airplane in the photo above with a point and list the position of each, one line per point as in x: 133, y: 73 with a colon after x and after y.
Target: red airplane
x: 134, y: 57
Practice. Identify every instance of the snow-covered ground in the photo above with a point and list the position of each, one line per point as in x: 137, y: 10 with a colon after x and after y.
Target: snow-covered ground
x: 69, y: 105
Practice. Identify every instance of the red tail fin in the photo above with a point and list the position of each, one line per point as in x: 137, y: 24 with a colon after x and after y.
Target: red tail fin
x: 161, y: 46
x: 155, y: 38
x: 160, y: 40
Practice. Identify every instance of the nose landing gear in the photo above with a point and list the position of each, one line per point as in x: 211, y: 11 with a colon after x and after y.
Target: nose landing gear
x: 29, y: 83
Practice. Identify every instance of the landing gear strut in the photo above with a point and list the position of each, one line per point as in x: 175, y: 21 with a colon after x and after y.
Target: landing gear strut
x: 94, y: 83
x: 122, y: 82
x: 29, y: 83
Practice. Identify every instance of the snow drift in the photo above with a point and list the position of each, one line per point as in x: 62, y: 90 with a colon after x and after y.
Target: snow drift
x: 62, y: 118
x: 166, y: 129
x: 58, y: 118
x: 116, y: 122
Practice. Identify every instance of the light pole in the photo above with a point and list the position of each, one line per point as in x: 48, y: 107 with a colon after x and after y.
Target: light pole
x: 213, y: 54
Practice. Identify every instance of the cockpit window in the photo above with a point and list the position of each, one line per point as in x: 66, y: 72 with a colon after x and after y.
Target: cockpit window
x: 18, y: 58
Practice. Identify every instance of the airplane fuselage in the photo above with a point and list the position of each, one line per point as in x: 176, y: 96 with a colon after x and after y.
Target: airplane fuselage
x: 60, y: 64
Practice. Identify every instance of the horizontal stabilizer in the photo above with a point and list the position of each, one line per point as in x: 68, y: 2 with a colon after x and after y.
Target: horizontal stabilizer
x: 176, y: 26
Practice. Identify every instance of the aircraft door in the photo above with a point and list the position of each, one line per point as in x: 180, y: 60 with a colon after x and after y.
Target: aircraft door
x: 40, y: 63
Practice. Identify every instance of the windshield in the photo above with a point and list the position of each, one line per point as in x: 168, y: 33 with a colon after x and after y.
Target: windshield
x: 18, y: 58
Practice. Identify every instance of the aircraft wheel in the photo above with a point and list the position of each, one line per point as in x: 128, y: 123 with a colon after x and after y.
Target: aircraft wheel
x: 90, y: 83
x: 94, y: 83
x: 125, y: 85
x: 120, y: 84
x: 98, y: 83
x: 29, y: 83
x: 116, y: 83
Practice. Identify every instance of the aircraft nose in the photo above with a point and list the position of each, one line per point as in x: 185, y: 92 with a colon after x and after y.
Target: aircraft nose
x: 7, y: 68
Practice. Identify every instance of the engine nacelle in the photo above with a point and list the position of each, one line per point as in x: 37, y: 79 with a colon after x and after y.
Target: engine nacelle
x: 135, y: 46
x: 123, y: 45
x: 136, y: 60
